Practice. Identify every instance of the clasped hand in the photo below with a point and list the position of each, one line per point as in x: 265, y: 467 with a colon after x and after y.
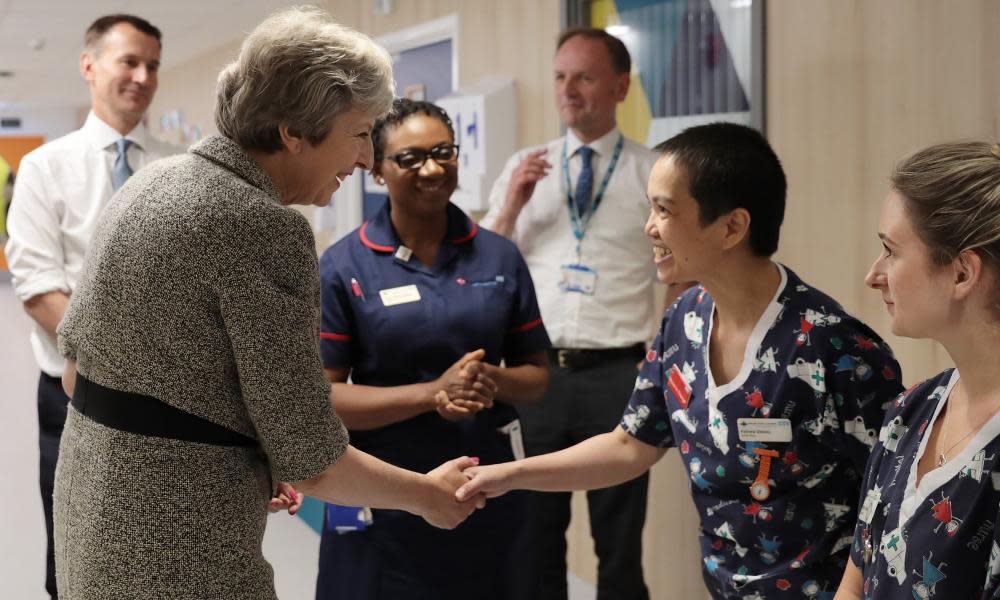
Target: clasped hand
x: 439, y: 505
x: 466, y: 387
x: 286, y: 498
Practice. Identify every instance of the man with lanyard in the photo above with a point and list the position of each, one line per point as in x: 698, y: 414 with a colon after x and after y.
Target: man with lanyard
x: 59, y: 195
x: 575, y: 207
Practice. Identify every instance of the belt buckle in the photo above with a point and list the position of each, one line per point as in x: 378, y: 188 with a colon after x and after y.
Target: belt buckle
x: 562, y: 356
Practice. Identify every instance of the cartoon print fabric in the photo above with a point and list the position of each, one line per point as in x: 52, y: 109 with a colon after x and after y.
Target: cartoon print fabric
x: 775, y: 456
x: 936, y: 538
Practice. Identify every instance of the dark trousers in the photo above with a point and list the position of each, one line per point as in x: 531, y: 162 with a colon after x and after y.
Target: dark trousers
x: 52, y: 402
x: 491, y: 556
x: 580, y: 404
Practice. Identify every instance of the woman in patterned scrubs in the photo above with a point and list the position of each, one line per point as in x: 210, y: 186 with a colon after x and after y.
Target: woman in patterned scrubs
x: 927, y: 526
x: 771, y: 392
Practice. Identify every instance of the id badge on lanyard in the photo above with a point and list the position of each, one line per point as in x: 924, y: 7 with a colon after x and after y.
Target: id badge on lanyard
x: 578, y: 278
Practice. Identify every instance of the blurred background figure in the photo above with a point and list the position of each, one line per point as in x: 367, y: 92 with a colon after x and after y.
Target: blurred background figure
x: 62, y: 190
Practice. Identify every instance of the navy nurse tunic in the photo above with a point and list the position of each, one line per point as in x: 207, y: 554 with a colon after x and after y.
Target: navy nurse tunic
x: 797, y: 424
x: 936, y: 538
x: 395, y: 321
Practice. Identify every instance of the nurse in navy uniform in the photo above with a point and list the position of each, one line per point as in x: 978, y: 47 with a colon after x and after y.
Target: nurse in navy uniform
x: 420, y: 307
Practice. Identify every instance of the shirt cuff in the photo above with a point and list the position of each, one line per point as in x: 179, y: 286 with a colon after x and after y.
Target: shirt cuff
x: 27, y: 288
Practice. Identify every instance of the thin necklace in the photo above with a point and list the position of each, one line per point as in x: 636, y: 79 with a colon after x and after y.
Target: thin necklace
x: 943, y: 456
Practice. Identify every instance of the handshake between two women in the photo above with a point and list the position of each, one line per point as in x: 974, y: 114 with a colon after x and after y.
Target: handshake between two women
x: 359, y: 479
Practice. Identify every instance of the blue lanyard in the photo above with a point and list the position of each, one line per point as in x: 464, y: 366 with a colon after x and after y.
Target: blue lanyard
x: 580, y: 222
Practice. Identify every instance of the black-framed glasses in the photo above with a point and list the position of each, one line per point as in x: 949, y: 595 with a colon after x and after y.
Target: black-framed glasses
x: 415, y: 158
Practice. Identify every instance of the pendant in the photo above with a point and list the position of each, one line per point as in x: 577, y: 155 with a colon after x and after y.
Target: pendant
x: 941, y: 459
x: 760, y: 491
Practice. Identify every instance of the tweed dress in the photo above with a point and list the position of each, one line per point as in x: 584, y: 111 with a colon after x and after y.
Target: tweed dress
x: 200, y: 289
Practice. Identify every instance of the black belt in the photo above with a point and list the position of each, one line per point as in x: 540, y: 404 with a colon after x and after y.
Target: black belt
x: 578, y: 359
x: 145, y: 415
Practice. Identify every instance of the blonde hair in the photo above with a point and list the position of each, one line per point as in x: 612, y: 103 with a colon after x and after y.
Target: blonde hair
x: 300, y: 69
x: 952, y: 194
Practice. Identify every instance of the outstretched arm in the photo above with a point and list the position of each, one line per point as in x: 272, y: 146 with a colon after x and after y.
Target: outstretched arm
x: 604, y: 460
x: 359, y: 479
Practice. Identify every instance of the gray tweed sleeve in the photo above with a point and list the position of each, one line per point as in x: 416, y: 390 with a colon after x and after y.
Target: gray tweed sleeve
x: 269, y: 302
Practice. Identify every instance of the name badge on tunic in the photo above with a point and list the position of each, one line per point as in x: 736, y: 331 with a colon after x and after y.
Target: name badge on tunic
x: 764, y: 430
x: 400, y: 295
x: 578, y: 279
x: 868, y: 507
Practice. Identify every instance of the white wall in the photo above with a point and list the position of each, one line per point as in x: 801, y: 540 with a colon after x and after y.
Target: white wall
x: 51, y: 122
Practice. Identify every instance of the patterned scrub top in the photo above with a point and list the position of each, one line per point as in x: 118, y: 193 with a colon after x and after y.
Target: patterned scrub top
x: 775, y: 455
x: 935, y: 538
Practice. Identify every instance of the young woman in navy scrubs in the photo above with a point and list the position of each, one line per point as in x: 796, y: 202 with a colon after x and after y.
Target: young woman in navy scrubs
x: 931, y: 495
x: 420, y: 307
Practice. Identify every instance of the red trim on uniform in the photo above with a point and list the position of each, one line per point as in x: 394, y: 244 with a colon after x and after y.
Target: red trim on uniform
x: 337, y: 337
x: 472, y: 234
x: 371, y: 244
x: 526, y: 327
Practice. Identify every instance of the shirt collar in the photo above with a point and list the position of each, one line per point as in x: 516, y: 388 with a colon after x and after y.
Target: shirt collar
x: 103, y: 136
x: 602, y: 146
x: 227, y: 153
x: 379, y: 235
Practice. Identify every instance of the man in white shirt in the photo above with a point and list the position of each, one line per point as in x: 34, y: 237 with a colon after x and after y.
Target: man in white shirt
x: 576, y: 208
x: 60, y: 192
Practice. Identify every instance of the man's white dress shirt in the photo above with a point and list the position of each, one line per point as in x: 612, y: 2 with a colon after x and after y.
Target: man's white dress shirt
x: 60, y: 191
x: 622, y: 311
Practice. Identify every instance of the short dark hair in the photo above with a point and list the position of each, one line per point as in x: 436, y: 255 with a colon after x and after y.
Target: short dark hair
x: 101, y: 26
x: 401, y: 109
x: 732, y: 166
x: 621, y: 60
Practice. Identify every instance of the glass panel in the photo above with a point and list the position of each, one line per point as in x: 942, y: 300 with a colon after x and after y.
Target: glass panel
x: 692, y: 62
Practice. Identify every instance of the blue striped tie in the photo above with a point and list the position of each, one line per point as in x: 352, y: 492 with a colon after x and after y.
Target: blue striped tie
x: 585, y: 182
x: 121, y: 171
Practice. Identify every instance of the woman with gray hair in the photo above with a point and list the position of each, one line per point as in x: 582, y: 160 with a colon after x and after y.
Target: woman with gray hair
x: 193, y: 338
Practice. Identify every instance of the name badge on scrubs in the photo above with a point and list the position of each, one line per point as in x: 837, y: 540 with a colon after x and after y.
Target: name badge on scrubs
x: 764, y: 430
x: 869, y: 506
x: 400, y: 295
x: 578, y: 279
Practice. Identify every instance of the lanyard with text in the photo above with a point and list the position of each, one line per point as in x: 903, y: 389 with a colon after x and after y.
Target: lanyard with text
x: 579, y: 221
